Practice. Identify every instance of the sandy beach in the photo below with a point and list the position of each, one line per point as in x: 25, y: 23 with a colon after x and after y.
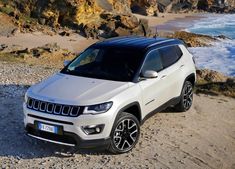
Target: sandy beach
x: 202, y: 138
x: 74, y: 43
x: 169, y: 21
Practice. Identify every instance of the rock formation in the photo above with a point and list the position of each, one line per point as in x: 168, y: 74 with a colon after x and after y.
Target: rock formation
x: 215, y: 83
x: 93, y: 18
x: 102, y: 18
x: 192, y: 39
x: 152, y: 7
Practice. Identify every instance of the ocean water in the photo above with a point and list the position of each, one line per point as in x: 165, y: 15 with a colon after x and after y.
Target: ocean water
x: 221, y: 55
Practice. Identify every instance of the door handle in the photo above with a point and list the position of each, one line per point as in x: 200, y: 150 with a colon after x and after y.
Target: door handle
x: 164, y: 76
x: 181, y: 66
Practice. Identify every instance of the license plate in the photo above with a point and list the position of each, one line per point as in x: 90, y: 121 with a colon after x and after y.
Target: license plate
x: 48, y: 128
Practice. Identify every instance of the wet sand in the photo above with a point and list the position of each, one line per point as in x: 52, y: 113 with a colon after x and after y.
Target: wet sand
x: 171, y: 22
x: 180, y: 23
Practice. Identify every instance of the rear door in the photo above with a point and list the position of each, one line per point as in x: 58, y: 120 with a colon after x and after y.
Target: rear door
x: 173, y: 66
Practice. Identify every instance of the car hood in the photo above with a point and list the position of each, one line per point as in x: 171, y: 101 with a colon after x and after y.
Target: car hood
x: 69, y: 89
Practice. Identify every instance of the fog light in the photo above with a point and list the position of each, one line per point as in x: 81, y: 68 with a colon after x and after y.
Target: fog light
x: 93, y: 129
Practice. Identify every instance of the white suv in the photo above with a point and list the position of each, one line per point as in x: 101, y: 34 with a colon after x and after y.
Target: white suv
x: 103, y: 95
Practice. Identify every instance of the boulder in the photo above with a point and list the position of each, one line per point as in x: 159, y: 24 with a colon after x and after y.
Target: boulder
x: 215, y: 83
x: 122, y: 32
x: 203, y: 5
x: 51, y: 47
x: 3, y: 46
x: 129, y: 22
x: 145, y: 7
x: 206, y: 75
x: 42, y: 21
x: 64, y: 33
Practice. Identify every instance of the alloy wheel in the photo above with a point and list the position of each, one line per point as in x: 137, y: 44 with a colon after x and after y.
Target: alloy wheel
x: 188, y: 96
x: 125, y: 134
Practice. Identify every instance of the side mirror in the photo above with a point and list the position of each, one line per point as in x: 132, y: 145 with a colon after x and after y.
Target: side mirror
x: 66, y: 62
x: 150, y: 74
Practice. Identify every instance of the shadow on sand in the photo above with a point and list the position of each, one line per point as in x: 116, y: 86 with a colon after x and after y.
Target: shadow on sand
x: 13, y: 139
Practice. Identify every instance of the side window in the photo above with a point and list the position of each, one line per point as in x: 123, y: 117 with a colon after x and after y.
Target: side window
x: 170, y: 55
x: 153, y: 62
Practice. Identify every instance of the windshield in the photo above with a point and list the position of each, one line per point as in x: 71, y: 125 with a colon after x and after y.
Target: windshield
x: 106, y: 63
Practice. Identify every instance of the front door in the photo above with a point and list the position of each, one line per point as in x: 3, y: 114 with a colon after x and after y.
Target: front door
x: 154, y: 89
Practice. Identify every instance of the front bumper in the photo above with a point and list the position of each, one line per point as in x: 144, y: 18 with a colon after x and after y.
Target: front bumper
x: 73, y: 135
x: 67, y: 139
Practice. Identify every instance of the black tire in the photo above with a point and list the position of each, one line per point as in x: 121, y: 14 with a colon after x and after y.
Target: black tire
x: 186, y: 98
x: 125, y: 134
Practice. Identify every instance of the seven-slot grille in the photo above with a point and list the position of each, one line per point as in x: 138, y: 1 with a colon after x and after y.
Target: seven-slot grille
x: 53, y: 108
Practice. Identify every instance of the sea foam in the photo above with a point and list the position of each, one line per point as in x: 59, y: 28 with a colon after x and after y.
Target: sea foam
x: 221, y: 55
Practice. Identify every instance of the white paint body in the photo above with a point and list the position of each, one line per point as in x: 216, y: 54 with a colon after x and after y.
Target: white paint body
x: 82, y: 91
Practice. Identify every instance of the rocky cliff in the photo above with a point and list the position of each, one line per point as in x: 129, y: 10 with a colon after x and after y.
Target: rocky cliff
x: 106, y: 18
x: 152, y: 7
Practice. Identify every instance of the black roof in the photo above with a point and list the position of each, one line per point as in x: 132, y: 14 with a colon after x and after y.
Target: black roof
x: 141, y: 43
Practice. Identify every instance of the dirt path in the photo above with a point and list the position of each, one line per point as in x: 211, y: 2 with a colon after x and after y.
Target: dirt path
x: 6, y: 25
x: 73, y: 42
x: 202, y: 138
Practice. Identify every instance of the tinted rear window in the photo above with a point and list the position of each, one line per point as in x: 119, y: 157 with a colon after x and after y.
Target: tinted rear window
x: 170, y: 55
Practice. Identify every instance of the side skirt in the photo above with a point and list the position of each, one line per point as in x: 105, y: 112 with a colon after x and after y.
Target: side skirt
x: 169, y: 103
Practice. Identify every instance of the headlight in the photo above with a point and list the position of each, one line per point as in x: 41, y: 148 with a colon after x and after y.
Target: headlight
x: 25, y: 98
x: 98, y: 108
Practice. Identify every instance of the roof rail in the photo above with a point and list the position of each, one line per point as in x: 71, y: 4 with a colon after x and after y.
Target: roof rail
x: 158, y: 43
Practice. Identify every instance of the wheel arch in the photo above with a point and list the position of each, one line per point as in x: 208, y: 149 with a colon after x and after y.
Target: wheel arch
x: 191, y: 78
x: 132, y: 108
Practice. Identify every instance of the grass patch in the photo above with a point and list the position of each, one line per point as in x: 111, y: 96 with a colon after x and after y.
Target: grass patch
x: 8, y: 57
x: 7, y: 9
x: 27, y: 19
x: 217, y: 88
x: 4, y: 1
